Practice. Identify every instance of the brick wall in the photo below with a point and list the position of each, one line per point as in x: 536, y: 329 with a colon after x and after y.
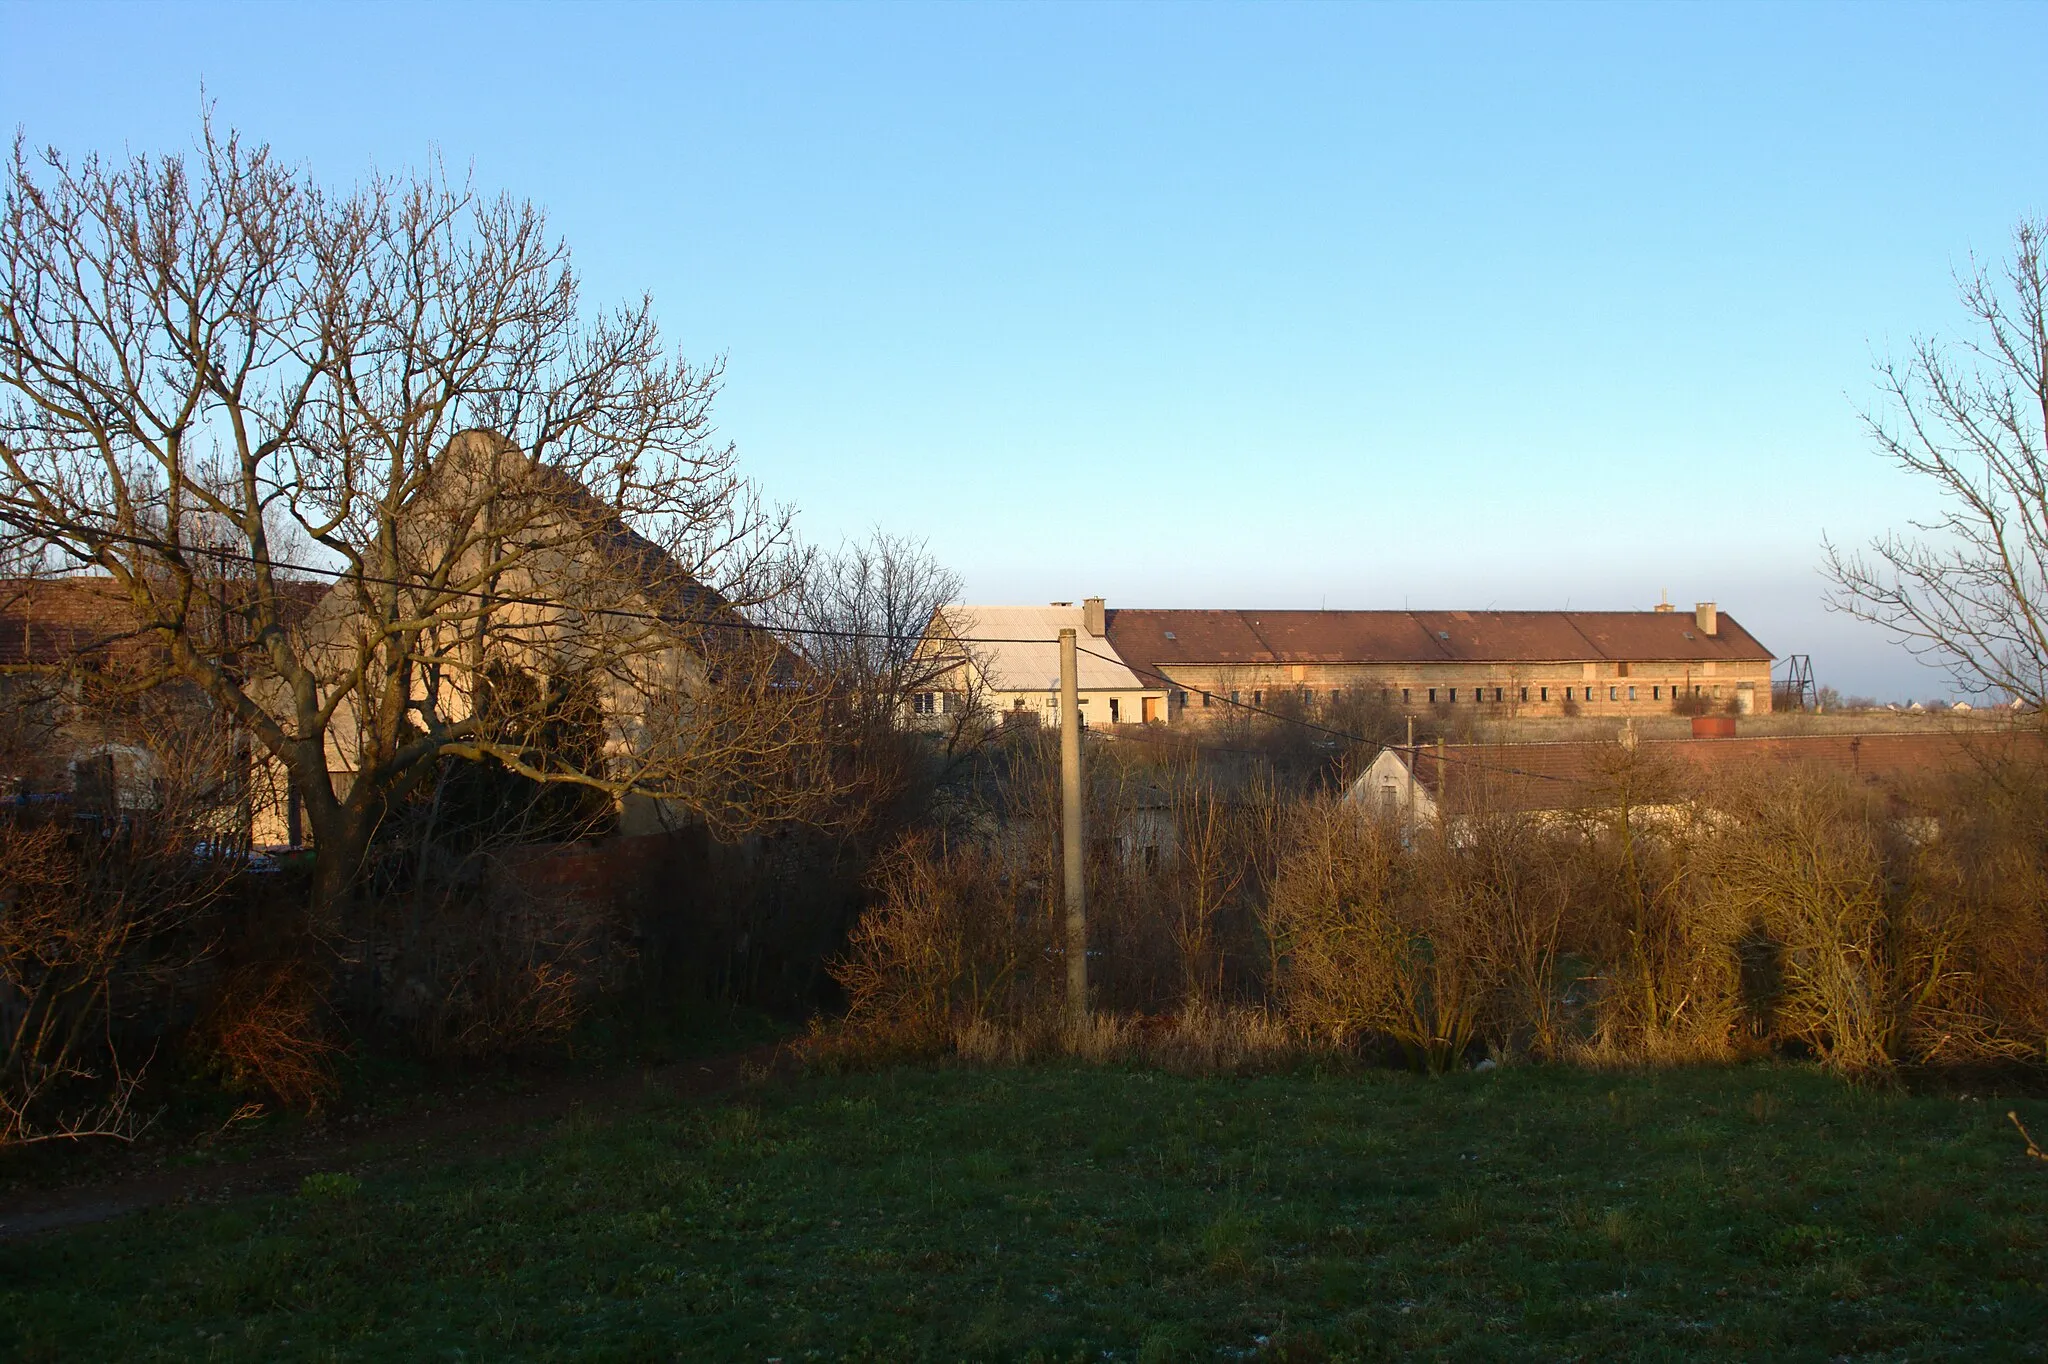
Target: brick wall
x: 1495, y: 688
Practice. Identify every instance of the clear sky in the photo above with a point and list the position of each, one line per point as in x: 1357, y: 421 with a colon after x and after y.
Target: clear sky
x: 1215, y: 305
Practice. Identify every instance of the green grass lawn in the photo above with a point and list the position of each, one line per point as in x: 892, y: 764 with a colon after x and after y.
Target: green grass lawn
x: 1078, y: 1214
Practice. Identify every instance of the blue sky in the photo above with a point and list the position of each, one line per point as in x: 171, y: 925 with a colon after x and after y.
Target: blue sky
x: 1215, y: 305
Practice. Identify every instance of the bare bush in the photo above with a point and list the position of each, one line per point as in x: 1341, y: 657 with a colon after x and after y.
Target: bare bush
x: 1379, y: 941
x: 1212, y: 859
x: 264, y: 1029
x: 960, y: 935
x: 1514, y: 878
x: 1989, y: 860
x: 93, y: 924
x: 1872, y: 963
x: 1661, y: 958
x: 1642, y: 922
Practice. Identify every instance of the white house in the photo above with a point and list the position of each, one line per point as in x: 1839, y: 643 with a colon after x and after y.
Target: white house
x: 1008, y: 667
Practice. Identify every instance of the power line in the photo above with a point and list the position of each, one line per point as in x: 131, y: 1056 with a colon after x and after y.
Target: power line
x: 817, y: 632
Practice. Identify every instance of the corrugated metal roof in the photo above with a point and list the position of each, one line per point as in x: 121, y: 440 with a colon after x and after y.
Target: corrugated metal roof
x: 1034, y: 666
x: 1148, y: 639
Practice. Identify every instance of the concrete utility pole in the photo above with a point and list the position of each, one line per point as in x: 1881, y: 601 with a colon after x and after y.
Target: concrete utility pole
x: 1072, y: 845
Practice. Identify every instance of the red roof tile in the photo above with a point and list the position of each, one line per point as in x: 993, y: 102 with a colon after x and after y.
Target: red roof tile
x: 47, y: 622
x: 1573, y: 775
x: 1149, y: 639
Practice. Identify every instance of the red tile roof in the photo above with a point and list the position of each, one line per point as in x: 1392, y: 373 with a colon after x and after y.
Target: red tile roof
x: 1573, y: 775
x: 48, y: 622
x: 1149, y: 639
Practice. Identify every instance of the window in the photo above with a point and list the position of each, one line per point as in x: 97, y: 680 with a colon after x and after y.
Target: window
x: 1233, y: 698
x: 1656, y: 693
x: 1621, y: 670
x: 1180, y: 698
x: 1258, y: 698
x: 1432, y: 696
x: 925, y: 703
x: 1631, y: 693
x: 1454, y: 696
x: 1496, y: 693
x: 1614, y: 693
x: 1525, y: 694
x: 1206, y: 700
x: 1543, y: 693
x: 1404, y: 696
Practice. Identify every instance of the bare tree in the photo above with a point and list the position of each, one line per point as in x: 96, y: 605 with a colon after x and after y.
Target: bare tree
x: 1970, y: 590
x: 214, y: 361
x: 1213, y: 860
x: 859, y: 618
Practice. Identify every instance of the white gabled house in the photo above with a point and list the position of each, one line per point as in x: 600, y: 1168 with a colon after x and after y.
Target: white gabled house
x: 1007, y: 666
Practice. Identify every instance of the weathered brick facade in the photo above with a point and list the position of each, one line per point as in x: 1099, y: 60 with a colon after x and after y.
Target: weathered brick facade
x: 1517, y: 663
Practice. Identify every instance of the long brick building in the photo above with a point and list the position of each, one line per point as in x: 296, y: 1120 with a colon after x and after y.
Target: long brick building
x: 1509, y: 662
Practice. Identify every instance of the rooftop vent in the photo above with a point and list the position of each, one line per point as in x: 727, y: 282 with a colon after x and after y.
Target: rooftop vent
x: 1443, y: 634
x: 1171, y: 635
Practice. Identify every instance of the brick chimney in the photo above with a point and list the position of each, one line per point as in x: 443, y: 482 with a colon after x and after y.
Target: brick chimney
x: 1094, y: 617
x: 1707, y: 619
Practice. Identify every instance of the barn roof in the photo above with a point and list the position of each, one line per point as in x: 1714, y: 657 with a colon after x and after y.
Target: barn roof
x: 1148, y: 639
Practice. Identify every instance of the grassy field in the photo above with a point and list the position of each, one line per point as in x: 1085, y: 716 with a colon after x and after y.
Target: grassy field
x: 1076, y: 1214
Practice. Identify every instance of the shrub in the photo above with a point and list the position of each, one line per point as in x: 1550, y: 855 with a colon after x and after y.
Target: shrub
x: 1868, y: 957
x: 1377, y: 941
x: 960, y: 936
x: 264, y: 1028
x: 103, y: 922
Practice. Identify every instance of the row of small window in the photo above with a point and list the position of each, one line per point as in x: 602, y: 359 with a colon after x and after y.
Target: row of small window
x: 1479, y: 696
x: 943, y: 703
